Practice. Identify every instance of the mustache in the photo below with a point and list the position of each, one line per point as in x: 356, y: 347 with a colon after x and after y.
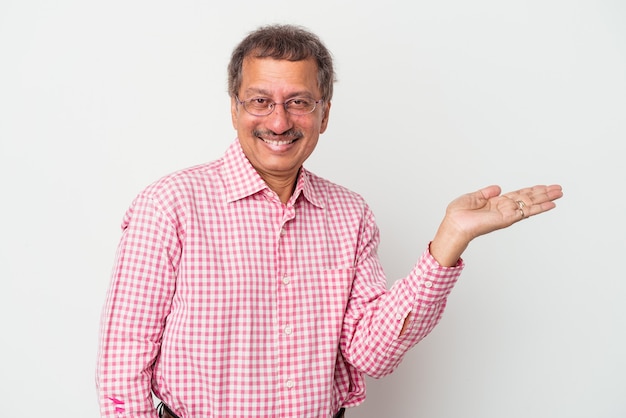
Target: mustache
x: 289, y: 135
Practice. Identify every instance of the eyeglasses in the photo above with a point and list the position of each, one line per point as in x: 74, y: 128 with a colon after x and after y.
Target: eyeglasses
x: 262, y: 106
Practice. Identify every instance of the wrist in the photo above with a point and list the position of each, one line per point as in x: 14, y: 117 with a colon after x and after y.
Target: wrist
x: 448, y: 244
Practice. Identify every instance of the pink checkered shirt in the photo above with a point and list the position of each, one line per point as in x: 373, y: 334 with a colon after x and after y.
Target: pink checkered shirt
x: 227, y: 303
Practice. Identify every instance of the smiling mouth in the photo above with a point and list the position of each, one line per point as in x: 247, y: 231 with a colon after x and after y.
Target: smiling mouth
x: 274, y: 140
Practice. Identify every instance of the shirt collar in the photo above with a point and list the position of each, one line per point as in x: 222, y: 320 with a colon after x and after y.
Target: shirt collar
x: 242, y: 180
x: 309, y: 190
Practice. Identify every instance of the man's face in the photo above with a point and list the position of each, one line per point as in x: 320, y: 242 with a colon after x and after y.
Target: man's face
x: 278, y: 144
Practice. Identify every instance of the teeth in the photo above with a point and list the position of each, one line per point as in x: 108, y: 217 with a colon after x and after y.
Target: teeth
x: 277, y: 143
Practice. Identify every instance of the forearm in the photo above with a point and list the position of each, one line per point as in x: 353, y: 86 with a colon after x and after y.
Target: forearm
x: 126, y: 354
x: 399, y: 318
x: 123, y: 388
x: 131, y: 331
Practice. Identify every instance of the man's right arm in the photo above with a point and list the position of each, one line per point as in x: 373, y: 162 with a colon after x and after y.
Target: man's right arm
x: 138, y: 301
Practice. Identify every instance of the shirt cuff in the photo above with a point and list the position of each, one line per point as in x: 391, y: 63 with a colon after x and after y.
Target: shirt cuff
x: 431, y: 281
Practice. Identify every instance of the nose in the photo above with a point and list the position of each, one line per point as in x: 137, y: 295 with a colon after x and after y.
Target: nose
x: 279, y: 120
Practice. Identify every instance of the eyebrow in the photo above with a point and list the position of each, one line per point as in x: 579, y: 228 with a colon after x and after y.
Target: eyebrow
x: 264, y: 92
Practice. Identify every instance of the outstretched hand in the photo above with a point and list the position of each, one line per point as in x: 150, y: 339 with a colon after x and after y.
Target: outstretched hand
x: 484, y: 211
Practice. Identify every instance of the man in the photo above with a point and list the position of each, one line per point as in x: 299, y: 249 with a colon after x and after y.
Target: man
x: 250, y: 287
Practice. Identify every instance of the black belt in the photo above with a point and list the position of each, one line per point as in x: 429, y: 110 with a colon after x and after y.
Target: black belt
x: 165, y: 412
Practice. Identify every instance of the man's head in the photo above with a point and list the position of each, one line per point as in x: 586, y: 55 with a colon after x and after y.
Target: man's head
x: 283, y: 42
x: 280, y: 82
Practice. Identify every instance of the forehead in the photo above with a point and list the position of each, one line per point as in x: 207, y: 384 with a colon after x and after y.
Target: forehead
x: 272, y: 76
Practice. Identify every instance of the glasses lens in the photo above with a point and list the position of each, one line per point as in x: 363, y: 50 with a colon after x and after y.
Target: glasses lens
x: 259, y: 106
x: 300, y: 106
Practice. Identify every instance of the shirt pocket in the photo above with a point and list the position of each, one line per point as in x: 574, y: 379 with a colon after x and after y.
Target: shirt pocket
x: 322, y: 300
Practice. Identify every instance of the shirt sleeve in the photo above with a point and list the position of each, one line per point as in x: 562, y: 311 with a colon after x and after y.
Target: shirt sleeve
x: 371, y: 339
x: 138, y: 301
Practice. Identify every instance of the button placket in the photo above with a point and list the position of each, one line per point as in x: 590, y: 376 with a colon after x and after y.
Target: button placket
x: 284, y: 295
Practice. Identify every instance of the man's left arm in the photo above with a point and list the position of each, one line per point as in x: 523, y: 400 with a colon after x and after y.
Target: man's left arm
x: 379, y: 328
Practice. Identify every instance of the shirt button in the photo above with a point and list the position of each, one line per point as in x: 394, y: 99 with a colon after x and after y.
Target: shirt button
x: 288, y: 330
x: 428, y: 284
x: 399, y: 316
x: 286, y: 279
x: 289, y: 384
x: 282, y: 231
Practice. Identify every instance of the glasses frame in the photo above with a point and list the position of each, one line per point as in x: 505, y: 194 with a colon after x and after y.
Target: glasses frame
x: 272, y: 105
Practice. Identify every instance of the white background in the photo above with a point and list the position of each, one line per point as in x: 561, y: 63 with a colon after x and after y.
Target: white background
x: 434, y: 99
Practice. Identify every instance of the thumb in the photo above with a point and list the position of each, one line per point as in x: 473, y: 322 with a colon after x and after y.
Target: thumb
x: 474, y: 200
x: 489, y: 192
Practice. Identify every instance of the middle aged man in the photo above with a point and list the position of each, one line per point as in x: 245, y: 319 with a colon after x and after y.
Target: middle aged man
x: 250, y: 287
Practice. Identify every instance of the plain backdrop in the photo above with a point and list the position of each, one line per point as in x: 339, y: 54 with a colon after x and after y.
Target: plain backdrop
x: 434, y: 99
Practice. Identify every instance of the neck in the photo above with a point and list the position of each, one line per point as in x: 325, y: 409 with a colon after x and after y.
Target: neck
x: 283, y: 187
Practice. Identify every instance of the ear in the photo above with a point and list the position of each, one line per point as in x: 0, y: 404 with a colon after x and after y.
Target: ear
x: 325, y: 116
x: 234, y: 111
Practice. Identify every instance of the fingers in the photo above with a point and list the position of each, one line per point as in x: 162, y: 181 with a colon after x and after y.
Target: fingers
x: 534, y: 200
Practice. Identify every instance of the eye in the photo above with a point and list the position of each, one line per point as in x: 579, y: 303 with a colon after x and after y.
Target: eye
x: 259, y: 101
x: 299, y: 103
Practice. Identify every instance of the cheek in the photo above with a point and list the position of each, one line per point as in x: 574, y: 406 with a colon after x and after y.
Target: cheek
x: 241, y: 123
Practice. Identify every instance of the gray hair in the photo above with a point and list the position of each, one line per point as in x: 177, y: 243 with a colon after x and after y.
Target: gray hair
x: 283, y: 42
